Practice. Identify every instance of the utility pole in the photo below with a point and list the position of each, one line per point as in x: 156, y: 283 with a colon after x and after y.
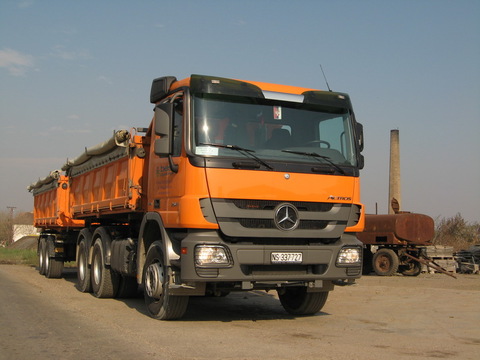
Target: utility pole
x: 10, y: 231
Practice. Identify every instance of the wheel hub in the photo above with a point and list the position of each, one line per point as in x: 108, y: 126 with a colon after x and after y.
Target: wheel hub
x: 81, y: 267
x: 383, y: 263
x: 154, y: 278
x: 97, y: 271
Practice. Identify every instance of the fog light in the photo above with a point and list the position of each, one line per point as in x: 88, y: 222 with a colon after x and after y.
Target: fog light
x: 349, y: 256
x: 212, y: 256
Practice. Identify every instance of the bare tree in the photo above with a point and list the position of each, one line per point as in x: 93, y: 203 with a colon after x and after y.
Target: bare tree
x: 456, y: 232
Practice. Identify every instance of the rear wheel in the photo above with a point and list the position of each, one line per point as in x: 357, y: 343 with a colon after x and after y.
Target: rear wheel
x: 297, y: 301
x: 53, y: 267
x: 412, y: 268
x: 158, y: 300
x: 83, y: 271
x: 104, y: 280
x: 385, y: 262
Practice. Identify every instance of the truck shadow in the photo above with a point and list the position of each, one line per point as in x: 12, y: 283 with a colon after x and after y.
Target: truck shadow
x: 237, y: 306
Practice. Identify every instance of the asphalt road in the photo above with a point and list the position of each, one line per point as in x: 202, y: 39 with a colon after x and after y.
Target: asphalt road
x: 429, y: 317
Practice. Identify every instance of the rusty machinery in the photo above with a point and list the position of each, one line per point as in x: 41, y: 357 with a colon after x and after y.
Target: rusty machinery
x: 394, y: 243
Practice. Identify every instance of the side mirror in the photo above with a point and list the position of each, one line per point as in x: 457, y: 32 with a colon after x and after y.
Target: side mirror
x: 361, y: 161
x: 360, y: 139
x: 163, y: 128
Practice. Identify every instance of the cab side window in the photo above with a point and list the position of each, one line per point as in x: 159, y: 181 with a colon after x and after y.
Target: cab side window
x: 178, y: 127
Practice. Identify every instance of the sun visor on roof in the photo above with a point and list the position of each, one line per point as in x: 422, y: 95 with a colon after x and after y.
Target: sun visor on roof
x: 327, y: 98
x: 200, y: 84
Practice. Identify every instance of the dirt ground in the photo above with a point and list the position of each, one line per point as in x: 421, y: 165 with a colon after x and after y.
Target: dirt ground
x: 432, y: 316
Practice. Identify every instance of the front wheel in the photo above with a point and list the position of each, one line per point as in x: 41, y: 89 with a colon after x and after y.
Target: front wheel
x: 160, y: 303
x: 297, y: 301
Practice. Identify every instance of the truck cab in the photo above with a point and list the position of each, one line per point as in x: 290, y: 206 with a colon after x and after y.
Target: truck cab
x: 257, y: 187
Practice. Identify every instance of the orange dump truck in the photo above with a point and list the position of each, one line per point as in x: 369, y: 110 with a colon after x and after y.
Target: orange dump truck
x: 234, y: 186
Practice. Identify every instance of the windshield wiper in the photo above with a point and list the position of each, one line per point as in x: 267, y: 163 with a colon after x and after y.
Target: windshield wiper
x: 246, y: 152
x: 318, y: 157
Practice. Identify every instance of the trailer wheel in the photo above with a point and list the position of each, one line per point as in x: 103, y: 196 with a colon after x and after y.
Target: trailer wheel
x: 104, y: 280
x: 413, y: 268
x: 41, y: 256
x: 160, y: 303
x: 84, y: 283
x: 53, y: 267
x: 297, y: 301
x: 385, y: 262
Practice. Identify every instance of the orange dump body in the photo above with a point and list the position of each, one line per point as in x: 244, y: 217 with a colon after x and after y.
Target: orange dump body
x: 109, y: 183
x: 397, y: 229
x: 51, y: 208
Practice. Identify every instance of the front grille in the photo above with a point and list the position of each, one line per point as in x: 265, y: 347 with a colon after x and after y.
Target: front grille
x: 249, y: 218
x: 269, y: 224
x: 272, y: 204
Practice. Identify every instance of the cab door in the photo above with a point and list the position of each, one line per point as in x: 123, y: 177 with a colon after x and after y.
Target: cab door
x: 166, y: 172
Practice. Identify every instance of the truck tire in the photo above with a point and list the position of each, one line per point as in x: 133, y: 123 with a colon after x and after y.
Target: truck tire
x: 297, y: 301
x: 104, y: 280
x: 53, y: 267
x: 385, y: 262
x: 160, y: 303
x: 84, y: 283
x: 41, y: 256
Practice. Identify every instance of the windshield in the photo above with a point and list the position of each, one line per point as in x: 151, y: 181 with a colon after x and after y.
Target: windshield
x: 309, y: 133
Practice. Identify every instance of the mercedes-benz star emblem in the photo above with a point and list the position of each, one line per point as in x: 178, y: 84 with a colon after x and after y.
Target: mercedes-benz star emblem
x: 286, y: 217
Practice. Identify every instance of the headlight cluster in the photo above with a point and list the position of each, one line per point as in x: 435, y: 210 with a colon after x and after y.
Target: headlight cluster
x: 212, y: 256
x: 349, y: 256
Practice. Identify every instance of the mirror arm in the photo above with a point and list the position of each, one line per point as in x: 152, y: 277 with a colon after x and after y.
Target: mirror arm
x: 173, y: 166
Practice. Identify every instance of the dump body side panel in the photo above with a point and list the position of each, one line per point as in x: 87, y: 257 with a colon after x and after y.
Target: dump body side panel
x: 108, y: 183
x: 51, y: 208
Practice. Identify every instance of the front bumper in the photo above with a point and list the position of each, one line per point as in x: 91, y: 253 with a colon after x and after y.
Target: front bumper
x: 250, y: 264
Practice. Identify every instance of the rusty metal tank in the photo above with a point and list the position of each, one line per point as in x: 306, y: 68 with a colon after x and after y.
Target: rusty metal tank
x: 397, y: 229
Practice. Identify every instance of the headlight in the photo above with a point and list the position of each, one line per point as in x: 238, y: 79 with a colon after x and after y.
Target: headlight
x: 212, y: 256
x: 349, y: 256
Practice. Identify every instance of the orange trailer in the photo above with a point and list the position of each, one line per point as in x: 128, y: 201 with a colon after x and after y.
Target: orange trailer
x: 58, y: 227
x: 235, y: 185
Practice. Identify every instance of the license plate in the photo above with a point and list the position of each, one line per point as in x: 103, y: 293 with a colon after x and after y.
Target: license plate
x: 286, y: 258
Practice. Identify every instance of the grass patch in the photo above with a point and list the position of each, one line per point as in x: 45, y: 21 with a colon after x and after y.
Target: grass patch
x: 18, y: 256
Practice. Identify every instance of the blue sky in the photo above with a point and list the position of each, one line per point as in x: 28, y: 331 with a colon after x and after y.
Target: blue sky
x: 71, y: 72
